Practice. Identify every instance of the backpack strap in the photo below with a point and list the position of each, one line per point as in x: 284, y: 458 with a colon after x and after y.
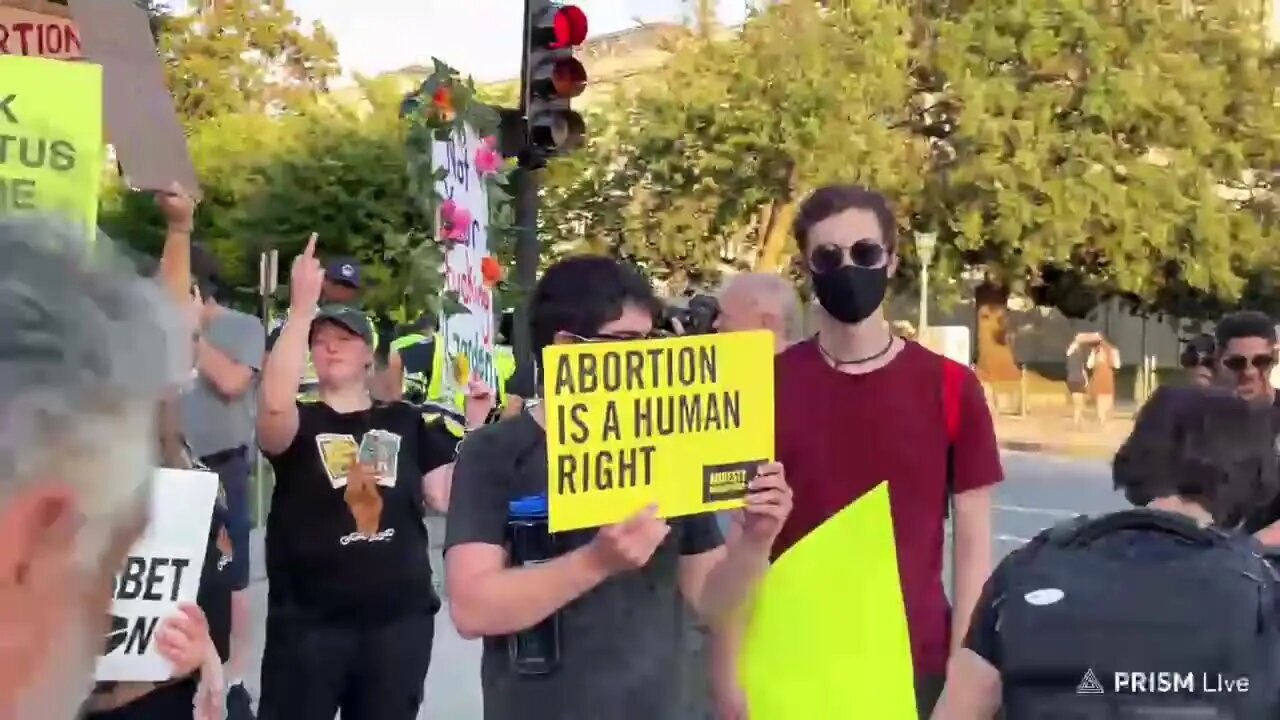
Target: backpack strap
x: 952, y: 382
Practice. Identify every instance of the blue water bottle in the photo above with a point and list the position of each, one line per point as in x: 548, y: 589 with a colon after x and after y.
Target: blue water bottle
x: 535, y: 651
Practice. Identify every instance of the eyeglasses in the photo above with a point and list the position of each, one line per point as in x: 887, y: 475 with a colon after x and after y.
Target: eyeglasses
x: 864, y: 254
x: 613, y: 337
x: 1238, y: 363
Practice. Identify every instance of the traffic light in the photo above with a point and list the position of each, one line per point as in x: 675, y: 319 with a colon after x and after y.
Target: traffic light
x: 552, y: 77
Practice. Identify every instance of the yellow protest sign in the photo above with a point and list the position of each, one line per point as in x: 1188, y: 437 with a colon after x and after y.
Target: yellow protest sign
x: 827, y: 637
x: 51, y: 149
x: 679, y: 422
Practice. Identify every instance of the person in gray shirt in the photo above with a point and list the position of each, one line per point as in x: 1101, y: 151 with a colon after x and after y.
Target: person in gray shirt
x: 616, y: 596
x: 218, y: 420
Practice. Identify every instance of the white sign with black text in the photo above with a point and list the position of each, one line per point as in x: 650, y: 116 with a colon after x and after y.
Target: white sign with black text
x: 161, y: 571
x: 467, y: 335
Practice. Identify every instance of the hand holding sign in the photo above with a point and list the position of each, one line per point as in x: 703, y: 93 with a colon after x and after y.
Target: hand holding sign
x: 183, y: 639
x: 305, y: 280
x: 178, y: 207
x: 629, y: 544
x: 768, y: 505
x: 479, y: 403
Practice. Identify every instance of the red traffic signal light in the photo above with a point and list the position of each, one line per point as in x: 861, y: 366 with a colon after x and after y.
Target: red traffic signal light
x: 568, y: 27
x: 553, y: 76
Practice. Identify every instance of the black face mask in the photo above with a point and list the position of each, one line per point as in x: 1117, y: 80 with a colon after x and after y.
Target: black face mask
x: 850, y: 293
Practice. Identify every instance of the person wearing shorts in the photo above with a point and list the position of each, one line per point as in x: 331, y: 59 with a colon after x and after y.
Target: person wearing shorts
x: 218, y: 418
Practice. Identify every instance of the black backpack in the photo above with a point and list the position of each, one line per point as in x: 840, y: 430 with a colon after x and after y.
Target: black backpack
x: 1087, y: 633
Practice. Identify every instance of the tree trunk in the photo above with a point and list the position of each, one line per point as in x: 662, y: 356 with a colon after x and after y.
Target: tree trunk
x: 995, y: 341
x: 775, y: 234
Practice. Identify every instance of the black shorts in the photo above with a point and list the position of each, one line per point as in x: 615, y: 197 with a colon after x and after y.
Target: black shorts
x: 166, y: 703
x: 1077, y: 387
x: 234, y: 470
x: 312, y: 669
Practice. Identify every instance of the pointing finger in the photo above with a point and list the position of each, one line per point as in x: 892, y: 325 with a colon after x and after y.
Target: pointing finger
x: 310, y: 250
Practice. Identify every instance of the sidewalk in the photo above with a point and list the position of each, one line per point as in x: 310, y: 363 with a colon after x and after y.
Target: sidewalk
x: 1055, y: 434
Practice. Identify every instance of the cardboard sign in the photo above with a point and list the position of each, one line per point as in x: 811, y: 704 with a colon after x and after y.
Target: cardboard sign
x: 468, y: 336
x: 51, y: 149
x: 23, y: 32
x: 162, y: 570
x: 140, y: 118
x: 680, y: 422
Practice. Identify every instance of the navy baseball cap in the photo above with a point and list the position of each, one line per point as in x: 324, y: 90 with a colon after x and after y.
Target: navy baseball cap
x: 343, y: 270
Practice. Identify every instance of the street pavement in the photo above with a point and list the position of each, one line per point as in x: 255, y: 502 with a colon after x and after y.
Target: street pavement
x: 1039, y: 491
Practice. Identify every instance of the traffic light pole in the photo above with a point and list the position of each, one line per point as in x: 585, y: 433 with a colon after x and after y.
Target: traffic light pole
x: 528, y: 252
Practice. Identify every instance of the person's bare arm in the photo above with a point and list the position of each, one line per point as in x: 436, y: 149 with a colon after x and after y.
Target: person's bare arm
x: 389, y: 382
x: 277, y: 403
x: 179, y: 210
x: 230, y: 378
x: 488, y: 598
x: 436, y: 486
x: 972, y: 691
x: 971, y: 556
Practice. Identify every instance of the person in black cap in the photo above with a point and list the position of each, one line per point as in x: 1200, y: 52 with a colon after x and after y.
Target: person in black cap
x: 350, y: 615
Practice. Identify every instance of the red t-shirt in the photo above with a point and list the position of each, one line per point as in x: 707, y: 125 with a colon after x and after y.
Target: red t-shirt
x: 840, y: 435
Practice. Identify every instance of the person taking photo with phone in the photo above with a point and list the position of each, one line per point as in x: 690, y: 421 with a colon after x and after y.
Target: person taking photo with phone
x: 350, y: 615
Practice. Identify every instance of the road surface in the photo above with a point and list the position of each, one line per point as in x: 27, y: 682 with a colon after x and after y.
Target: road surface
x: 1039, y: 491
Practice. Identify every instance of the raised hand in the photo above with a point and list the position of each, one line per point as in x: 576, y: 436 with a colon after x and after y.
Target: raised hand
x: 305, y: 280
x: 479, y: 402
x: 768, y: 504
x: 629, y: 544
x: 178, y: 208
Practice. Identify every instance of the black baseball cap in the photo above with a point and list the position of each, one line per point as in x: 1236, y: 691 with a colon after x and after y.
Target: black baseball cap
x: 348, y: 318
x: 343, y: 270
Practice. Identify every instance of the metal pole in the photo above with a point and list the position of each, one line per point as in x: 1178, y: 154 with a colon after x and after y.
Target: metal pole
x: 924, y: 299
x: 528, y: 252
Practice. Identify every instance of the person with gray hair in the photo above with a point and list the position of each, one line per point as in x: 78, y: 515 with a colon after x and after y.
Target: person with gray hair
x: 88, y: 349
x: 761, y: 301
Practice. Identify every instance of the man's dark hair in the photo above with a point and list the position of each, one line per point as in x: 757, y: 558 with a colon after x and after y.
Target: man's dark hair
x: 831, y: 200
x: 580, y: 295
x: 1245, y: 324
x: 1201, y: 444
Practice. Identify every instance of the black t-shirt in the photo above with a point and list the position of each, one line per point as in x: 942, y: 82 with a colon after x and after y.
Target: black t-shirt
x: 323, y: 562
x: 1269, y: 514
x: 621, y: 642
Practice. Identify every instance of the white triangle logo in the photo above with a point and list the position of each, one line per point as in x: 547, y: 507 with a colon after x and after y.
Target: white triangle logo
x: 1089, y: 684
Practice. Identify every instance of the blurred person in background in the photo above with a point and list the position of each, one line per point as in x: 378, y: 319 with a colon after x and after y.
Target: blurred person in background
x: 87, y: 353
x: 761, y: 301
x: 1078, y: 353
x: 1169, y: 586
x: 218, y: 413
x: 1199, y: 359
x: 1103, y: 362
x: 1246, y: 343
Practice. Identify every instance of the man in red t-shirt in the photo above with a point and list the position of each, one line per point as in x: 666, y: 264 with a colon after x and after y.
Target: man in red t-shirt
x: 857, y: 406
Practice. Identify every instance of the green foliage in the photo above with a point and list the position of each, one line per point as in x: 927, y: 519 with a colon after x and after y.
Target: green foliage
x: 684, y: 175
x: 1073, y: 149
x: 244, y: 56
x: 1095, y: 142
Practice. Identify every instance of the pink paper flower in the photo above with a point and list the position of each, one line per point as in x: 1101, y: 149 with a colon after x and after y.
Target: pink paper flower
x: 455, y: 221
x: 488, y: 159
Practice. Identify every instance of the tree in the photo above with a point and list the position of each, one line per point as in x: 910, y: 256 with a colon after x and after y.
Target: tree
x: 1089, y: 149
x: 701, y: 169
x: 245, y: 56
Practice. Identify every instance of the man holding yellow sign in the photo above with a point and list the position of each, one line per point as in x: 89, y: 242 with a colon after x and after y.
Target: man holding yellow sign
x: 579, y: 623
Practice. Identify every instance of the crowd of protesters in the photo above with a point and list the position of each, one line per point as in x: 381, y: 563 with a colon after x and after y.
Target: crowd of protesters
x: 105, y: 374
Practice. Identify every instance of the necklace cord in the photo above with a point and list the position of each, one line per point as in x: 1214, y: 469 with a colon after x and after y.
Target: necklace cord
x: 858, y: 361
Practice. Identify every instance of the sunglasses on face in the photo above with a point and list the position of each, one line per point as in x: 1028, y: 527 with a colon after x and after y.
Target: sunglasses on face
x: 1238, y: 363
x: 863, y: 254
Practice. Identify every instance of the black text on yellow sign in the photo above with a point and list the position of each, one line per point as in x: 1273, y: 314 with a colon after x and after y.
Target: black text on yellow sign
x: 50, y: 137
x: 682, y: 423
